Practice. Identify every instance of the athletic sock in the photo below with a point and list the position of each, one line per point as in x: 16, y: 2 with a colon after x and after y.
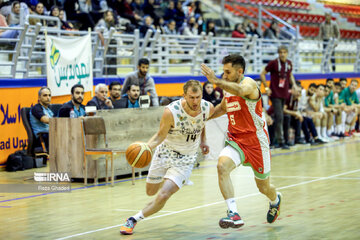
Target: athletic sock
x: 231, y: 203
x: 139, y: 216
x: 276, y: 201
x: 323, y: 132
x: 318, y: 130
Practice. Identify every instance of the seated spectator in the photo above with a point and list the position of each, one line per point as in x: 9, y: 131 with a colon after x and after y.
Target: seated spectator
x: 272, y: 32
x: 288, y: 33
x: 115, y: 90
x: 190, y: 28
x: 72, y: 9
x: 149, y: 9
x: 54, y: 12
x: 131, y: 100
x: 209, y: 93
x: 170, y: 12
x: 160, y: 26
x: 142, y: 79
x: 100, y: 99
x: 14, y: 16
x: 40, y: 114
x: 137, y: 7
x: 250, y: 28
x: 124, y: 10
x: 148, y: 25
x: 170, y: 28
x: 39, y: 11
x: 74, y: 107
x: 7, y: 33
x: 210, y: 28
x: 238, y: 31
x: 64, y: 24
x: 95, y: 8
x: 180, y: 17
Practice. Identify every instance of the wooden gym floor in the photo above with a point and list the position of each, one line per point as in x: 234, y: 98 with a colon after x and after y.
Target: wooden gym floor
x: 321, y: 200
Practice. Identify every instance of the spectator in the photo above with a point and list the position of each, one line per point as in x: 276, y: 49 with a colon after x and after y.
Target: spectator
x: 160, y: 26
x: 210, y: 28
x: 14, y: 16
x: 250, y: 28
x: 148, y: 25
x: 143, y: 80
x: 280, y: 78
x: 170, y: 28
x: 287, y: 33
x: 40, y: 114
x: 73, y: 12
x: 238, y: 31
x: 149, y: 9
x: 7, y: 33
x: 124, y: 10
x: 39, y: 10
x: 115, y: 93
x: 74, y: 107
x: 95, y: 8
x: 170, y: 12
x: 180, y: 15
x: 100, y: 99
x: 191, y: 28
x: 137, y: 8
x: 54, y: 12
x: 64, y: 24
x: 329, y: 30
x: 272, y: 32
x: 131, y: 100
x: 209, y: 93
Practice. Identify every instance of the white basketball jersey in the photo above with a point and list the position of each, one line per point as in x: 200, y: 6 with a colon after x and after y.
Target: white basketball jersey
x: 185, y: 136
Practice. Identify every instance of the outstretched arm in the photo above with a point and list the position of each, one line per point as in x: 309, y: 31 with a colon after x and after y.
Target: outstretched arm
x: 219, y: 110
x: 243, y: 90
x: 166, y: 122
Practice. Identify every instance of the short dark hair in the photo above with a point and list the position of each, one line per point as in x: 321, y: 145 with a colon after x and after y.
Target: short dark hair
x: 313, y: 85
x: 41, y: 89
x: 343, y: 79
x: 354, y: 80
x: 298, y: 83
x: 329, y: 79
x: 320, y: 85
x: 144, y: 61
x: 337, y: 84
x: 235, y: 60
x: 76, y: 86
x: 114, y: 83
x: 129, y: 87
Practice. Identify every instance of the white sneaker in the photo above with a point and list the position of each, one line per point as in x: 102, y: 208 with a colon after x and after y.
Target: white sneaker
x: 324, y: 139
x: 188, y: 183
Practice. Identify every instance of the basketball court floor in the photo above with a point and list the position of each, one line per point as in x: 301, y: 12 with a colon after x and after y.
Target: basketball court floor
x: 320, y: 187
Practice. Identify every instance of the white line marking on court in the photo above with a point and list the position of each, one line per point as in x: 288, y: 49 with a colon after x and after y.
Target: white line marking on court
x: 130, y: 210
x: 252, y: 176
x: 211, y: 204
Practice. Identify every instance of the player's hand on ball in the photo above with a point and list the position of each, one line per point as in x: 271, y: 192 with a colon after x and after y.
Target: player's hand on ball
x: 204, y: 148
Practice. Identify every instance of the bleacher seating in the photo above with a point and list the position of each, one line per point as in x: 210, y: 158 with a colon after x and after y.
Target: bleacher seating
x: 308, y: 23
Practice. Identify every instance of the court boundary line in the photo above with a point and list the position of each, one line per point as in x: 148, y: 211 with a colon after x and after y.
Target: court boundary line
x: 212, y: 165
x: 211, y: 204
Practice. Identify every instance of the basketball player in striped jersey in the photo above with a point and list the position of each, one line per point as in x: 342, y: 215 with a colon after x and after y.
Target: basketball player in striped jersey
x: 247, y: 142
x: 181, y: 133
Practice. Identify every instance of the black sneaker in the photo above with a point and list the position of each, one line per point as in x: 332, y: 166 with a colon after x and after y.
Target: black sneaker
x: 274, y: 211
x: 284, y: 146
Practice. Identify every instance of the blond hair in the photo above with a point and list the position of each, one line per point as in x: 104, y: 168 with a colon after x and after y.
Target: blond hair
x: 193, y: 84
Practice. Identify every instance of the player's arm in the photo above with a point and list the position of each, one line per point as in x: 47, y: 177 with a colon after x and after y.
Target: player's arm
x: 166, y: 122
x: 313, y: 104
x: 219, y: 110
x: 246, y: 89
x: 203, y: 146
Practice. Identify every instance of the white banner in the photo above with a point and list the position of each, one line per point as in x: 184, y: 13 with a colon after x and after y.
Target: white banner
x: 68, y: 62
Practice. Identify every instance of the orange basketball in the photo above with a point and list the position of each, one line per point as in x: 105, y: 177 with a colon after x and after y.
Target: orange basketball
x: 138, y: 154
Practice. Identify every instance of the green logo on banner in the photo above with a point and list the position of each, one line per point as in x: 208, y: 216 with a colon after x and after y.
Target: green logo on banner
x: 54, y: 56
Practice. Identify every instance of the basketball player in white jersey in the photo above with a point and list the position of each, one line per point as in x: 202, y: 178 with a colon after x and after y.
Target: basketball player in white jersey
x: 181, y: 133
